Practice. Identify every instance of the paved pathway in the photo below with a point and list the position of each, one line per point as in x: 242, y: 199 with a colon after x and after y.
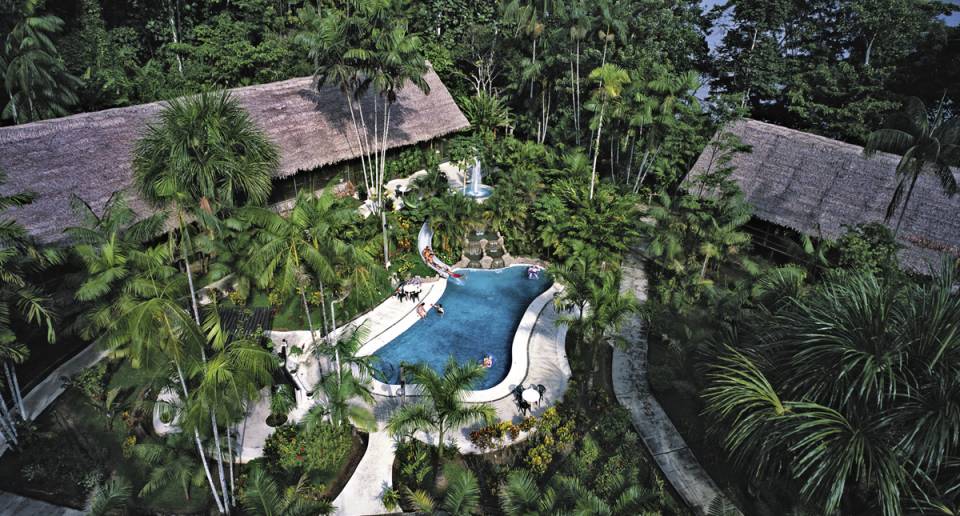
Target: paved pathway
x: 632, y: 389
x: 16, y: 505
x: 547, y: 366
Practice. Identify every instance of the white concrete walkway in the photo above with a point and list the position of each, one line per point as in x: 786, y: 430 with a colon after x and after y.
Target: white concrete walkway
x: 632, y: 389
x: 16, y: 505
x: 547, y: 366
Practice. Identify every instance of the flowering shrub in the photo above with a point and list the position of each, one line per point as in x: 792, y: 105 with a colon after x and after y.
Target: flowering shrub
x: 552, y: 437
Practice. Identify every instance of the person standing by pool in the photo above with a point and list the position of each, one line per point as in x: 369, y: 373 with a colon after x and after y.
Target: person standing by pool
x: 421, y: 310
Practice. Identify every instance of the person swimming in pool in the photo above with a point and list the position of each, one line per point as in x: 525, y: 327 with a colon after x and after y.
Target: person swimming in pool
x: 487, y: 361
x: 439, y: 308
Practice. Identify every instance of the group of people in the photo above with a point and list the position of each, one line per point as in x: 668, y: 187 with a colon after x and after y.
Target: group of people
x: 533, y: 272
x: 423, y: 309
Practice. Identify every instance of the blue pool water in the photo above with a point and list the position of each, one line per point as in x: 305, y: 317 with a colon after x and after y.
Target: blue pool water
x: 481, y: 317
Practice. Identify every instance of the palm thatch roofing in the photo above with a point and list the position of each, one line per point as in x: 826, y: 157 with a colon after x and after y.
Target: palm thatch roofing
x: 90, y: 154
x: 817, y: 186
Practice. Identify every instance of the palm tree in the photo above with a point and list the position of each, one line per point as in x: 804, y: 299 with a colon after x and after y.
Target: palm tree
x: 171, y: 464
x: 341, y: 391
x: 611, y: 80
x: 158, y: 332
x: 851, y: 384
x: 19, y: 299
x: 399, y: 59
x: 926, y: 144
x: 37, y: 82
x: 486, y: 113
x: 442, y: 407
x: 109, y: 498
x: 207, y: 149
x: 307, y: 246
x: 520, y: 495
x: 230, y: 380
x: 461, y: 496
x: 263, y: 497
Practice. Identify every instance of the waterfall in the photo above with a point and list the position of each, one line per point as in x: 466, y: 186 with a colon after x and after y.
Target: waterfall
x: 475, y: 178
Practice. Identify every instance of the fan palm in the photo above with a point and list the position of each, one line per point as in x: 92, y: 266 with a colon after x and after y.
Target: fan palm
x: 262, y: 496
x: 207, y: 149
x: 442, y: 407
x: 36, y: 80
x: 926, y: 144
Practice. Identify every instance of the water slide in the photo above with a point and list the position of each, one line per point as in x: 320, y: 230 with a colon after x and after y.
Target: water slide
x: 425, y: 241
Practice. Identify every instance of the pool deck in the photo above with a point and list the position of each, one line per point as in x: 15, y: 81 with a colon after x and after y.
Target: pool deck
x: 539, y: 358
x: 547, y: 366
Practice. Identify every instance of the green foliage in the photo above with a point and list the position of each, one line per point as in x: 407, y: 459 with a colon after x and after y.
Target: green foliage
x: 870, y: 247
x: 264, y: 496
x: 37, y: 84
x: 319, y: 452
x: 820, y: 377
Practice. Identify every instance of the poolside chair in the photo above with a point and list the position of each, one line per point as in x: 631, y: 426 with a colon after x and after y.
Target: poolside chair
x: 517, y: 395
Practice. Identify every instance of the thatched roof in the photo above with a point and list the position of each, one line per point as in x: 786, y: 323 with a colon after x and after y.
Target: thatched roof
x: 90, y: 154
x: 817, y: 186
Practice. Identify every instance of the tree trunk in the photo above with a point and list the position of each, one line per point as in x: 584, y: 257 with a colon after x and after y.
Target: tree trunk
x: 306, y: 309
x: 223, y: 477
x: 868, y: 51
x: 336, y: 350
x: 7, y: 426
x: 593, y: 171
x: 203, y: 454
x: 383, y: 205
x: 906, y: 200
x: 233, y: 486
x: 356, y: 129
x: 15, y: 390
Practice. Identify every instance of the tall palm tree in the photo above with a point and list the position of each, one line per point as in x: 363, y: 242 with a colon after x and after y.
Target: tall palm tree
x: 229, y: 381
x: 925, y: 143
x: 158, y: 332
x: 36, y: 80
x: 264, y: 497
x: 398, y: 60
x: 20, y: 258
x: 610, y: 80
x: 442, y: 407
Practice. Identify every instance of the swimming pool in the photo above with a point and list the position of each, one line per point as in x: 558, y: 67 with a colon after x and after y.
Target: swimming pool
x: 481, y: 317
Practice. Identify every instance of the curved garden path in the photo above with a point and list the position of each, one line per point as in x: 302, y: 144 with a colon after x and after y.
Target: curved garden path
x: 632, y: 389
x: 547, y: 365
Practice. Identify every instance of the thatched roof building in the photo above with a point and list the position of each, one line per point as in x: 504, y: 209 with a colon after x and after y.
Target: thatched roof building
x: 817, y: 186
x: 90, y: 154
